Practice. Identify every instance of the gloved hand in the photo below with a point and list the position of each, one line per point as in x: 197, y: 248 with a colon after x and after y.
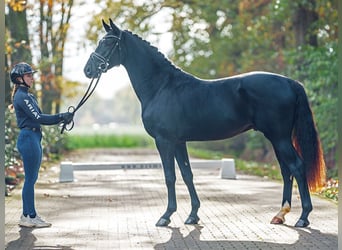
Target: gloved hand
x: 67, y: 117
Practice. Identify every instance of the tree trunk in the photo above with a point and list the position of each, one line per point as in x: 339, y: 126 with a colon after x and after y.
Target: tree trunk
x: 18, y: 40
x: 52, y: 39
x: 304, y: 18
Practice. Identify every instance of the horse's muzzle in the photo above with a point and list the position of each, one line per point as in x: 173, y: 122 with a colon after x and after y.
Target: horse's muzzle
x: 87, y: 71
x: 90, y: 70
x: 96, y: 65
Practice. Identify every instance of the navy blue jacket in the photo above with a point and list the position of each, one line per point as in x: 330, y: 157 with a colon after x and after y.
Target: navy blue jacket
x: 28, y: 112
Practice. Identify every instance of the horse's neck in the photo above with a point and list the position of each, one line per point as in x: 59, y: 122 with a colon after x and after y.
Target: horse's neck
x: 144, y: 70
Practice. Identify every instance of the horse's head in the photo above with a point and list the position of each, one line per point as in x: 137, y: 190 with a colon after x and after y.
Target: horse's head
x: 107, y: 54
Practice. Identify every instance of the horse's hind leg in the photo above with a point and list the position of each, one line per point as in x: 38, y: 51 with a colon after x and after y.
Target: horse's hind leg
x: 167, y: 154
x: 287, y: 195
x: 184, y: 165
x: 289, y: 159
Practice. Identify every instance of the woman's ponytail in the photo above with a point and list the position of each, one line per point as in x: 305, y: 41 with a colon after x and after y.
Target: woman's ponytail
x: 14, y: 90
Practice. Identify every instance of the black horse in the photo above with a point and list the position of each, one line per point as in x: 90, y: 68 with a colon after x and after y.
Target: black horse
x: 178, y: 107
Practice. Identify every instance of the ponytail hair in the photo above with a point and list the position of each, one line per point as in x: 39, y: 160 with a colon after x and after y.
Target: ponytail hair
x: 14, y: 90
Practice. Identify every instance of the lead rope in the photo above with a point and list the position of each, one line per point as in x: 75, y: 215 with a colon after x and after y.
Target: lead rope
x: 72, y: 109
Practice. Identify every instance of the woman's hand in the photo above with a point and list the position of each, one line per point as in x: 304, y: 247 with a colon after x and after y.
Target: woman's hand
x: 67, y: 117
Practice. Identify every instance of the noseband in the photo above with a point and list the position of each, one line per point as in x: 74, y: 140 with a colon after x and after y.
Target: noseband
x: 103, y: 61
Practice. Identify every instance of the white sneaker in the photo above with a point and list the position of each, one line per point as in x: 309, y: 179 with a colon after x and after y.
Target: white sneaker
x: 25, y: 221
x: 33, y: 222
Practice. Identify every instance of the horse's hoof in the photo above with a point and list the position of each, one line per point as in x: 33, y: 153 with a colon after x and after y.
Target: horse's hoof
x: 191, y: 220
x: 163, y: 222
x: 277, y: 220
x: 302, y: 223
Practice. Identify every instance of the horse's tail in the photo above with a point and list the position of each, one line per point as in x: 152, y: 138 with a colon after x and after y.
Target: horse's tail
x: 306, y: 141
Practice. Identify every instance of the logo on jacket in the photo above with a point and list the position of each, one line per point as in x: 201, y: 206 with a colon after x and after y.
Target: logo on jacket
x: 32, y: 109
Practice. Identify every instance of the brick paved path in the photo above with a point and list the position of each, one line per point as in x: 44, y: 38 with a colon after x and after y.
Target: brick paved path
x: 118, y: 210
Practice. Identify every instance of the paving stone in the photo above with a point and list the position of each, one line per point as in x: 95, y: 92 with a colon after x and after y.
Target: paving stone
x: 118, y: 209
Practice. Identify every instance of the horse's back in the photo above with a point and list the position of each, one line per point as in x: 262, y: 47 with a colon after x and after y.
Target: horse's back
x: 260, y: 92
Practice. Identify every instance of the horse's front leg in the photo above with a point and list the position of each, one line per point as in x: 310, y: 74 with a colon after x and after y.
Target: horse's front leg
x: 167, y: 154
x: 184, y: 165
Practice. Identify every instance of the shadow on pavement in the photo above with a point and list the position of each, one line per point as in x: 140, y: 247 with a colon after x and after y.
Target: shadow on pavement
x: 27, y: 240
x: 193, y: 241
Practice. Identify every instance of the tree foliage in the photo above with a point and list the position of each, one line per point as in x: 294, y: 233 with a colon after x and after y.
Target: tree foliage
x: 222, y: 38
x: 53, y: 27
x: 40, y: 29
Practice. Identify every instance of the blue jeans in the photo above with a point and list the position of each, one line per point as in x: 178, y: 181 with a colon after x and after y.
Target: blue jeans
x: 30, y: 148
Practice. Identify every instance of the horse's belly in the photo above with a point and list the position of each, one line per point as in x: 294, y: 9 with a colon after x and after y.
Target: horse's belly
x: 218, y: 132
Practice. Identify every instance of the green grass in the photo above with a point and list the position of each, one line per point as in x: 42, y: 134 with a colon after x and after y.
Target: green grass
x: 270, y: 171
x: 205, y: 154
x: 107, y: 141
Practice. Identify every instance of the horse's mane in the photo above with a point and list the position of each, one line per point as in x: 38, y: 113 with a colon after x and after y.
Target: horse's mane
x: 155, y: 51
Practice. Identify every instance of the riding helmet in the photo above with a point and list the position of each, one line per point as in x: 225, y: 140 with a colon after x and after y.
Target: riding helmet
x: 19, y: 70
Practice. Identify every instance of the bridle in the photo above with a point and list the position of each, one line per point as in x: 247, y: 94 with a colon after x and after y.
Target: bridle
x: 104, y: 62
x: 102, y: 68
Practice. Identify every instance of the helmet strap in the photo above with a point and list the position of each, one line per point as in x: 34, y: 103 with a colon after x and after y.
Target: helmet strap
x: 24, y: 83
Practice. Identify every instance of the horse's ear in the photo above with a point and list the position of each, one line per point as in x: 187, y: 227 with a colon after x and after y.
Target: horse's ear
x: 106, y: 26
x: 114, y: 27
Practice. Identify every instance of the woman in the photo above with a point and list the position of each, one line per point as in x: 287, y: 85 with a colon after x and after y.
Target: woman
x: 29, y: 120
